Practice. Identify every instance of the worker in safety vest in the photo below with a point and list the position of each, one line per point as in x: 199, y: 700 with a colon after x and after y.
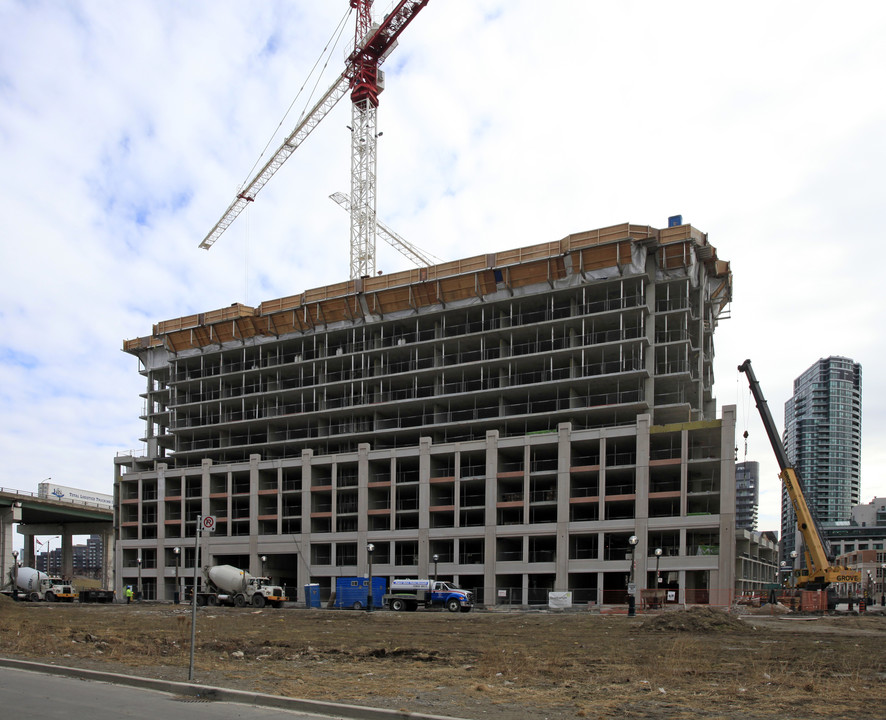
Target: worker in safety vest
x: 129, y: 594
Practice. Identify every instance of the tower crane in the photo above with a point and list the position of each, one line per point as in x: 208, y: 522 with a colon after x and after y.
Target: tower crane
x: 372, y: 45
x: 420, y: 258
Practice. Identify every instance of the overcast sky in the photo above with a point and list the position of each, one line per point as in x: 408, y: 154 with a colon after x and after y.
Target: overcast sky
x: 126, y: 128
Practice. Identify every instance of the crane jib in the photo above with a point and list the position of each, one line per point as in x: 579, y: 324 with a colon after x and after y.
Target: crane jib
x: 372, y: 46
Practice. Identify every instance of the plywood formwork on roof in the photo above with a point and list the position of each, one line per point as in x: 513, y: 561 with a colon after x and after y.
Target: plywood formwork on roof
x: 598, y: 257
x: 208, y: 318
x: 474, y: 277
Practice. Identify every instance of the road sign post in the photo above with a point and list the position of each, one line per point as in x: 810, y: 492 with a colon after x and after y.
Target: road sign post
x: 205, y: 523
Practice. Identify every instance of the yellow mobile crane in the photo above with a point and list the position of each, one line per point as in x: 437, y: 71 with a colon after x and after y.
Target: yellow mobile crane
x: 819, y: 572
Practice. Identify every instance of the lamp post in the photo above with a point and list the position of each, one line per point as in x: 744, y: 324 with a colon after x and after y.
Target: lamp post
x: 14, y: 577
x: 139, y: 586
x: 632, y: 600
x: 176, y: 595
x: 263, y: 558
x: 436, y: 558
x: 793, y: 567
x: 883, y: 585
x: 657, y: 577
x: 369, y: 548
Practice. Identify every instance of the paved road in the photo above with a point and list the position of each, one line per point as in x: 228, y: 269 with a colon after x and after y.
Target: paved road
x: 30, y: 694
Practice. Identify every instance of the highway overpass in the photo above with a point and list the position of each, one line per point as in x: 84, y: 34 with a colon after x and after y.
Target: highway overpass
x: 35, y: 515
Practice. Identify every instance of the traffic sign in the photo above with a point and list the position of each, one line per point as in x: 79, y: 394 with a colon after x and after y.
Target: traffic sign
x: 208, y: 523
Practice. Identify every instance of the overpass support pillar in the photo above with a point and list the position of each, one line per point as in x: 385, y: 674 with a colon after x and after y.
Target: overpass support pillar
x: 108, y: 558
x: 7, y: 518
x: 67, y: 553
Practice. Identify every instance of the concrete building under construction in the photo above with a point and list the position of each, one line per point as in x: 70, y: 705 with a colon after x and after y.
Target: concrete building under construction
x: 509, y: 421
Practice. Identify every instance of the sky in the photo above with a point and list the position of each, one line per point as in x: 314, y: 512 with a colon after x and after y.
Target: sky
x: 127, y: 128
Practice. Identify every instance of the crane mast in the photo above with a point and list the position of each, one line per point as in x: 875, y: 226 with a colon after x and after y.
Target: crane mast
x: 364, y: 146
x: 362, y: 76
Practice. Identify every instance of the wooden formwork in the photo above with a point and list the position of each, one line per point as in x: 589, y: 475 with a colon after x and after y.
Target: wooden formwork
x: 477, y: 276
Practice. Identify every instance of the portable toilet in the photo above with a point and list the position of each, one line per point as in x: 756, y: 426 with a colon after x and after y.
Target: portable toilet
x: 312, y: 595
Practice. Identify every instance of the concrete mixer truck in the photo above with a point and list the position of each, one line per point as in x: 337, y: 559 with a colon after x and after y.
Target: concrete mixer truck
x: 34, y: 585
x: 227, y: 585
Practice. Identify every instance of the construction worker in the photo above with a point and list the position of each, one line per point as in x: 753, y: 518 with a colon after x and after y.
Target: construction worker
x: 129, y: 594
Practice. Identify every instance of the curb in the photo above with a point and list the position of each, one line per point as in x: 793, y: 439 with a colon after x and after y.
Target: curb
x: 216, y: 694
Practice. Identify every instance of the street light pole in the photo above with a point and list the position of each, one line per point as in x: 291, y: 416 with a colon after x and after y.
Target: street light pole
x: 176, y: 596
x: 436, y: 558
x: 632, y: 599
x: 14, y: 575
x: 369, y: 548
x: 263, y: 558
x: 194, y: 595
x: 139, y: 589
x: 657, y: 577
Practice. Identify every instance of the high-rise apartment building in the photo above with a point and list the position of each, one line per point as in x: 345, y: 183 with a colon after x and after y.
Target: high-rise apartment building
x: 823, y: 440
x: 510, y: 421
x: 747, y: 494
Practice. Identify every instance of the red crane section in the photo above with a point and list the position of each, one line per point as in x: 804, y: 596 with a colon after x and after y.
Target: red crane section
x: 372, y: 44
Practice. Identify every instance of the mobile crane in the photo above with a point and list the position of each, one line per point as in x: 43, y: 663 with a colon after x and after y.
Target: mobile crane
x: 819, y: 572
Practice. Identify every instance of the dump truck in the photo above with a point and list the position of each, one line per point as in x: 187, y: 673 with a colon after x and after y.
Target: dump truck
x: 411, y: 594
x: 227, y: 585
x: 36, y: 586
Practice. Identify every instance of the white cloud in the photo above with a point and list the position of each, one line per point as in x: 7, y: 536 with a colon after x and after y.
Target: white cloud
x: 125, y: 129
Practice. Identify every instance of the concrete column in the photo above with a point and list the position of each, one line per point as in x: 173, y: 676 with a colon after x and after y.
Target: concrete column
x: 564, y: 455
x: 641, y: 503
x: 489, y: 564
x: 67, y: 553
x: 424, y: 504
x: 254, y: 562
x: 6, y: 542
x: 108, y: 558
x: 307, y: 456
x: 363, y: 492
x: 724, y: 578
x: 30, y: 556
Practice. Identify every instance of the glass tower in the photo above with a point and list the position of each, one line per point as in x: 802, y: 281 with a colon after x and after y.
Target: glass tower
x: 823, y: 440
x: 747, y: 494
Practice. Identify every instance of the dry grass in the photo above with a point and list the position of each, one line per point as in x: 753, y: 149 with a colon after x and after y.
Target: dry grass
x: 485, y: 664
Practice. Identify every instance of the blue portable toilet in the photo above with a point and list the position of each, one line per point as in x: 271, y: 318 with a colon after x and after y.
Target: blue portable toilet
x: 312, y: 595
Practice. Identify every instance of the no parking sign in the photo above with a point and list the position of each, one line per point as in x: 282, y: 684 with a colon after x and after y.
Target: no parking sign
x: 208, y: 523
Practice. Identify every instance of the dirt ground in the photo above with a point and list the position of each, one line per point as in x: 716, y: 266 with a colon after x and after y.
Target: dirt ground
x: 698, y: 663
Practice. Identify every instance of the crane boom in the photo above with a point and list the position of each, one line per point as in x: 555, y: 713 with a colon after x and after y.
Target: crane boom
x: 372, y: 45
x: 335, y: 93
x: 818, y: 572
